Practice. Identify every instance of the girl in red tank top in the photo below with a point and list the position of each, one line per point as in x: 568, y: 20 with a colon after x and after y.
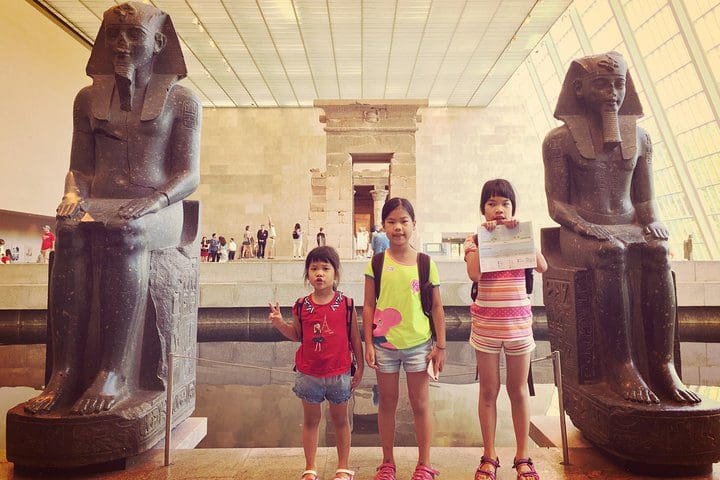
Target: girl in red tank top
x: 325, y: 324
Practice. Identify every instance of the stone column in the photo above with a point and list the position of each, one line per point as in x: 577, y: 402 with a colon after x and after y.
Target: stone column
x: 379, y: 196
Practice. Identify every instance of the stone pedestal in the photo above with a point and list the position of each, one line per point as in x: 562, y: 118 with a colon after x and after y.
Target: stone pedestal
x: 364, y: 129
x: 669, y: 437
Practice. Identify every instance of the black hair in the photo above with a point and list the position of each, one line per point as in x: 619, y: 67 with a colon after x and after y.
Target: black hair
x: 396, y: 202
x: 323, y: 254
x: 498, y: 187
x: 297, y: 226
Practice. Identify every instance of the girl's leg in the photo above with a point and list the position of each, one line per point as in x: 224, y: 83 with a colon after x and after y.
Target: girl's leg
x: 388, y: 393
x: 517, y: 388
x: 419, y: 395
x: 311, y: 421
x: 339, y: 417
x: 488, y: 365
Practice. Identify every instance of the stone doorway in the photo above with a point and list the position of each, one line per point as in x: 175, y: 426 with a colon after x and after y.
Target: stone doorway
x: 356, y: 131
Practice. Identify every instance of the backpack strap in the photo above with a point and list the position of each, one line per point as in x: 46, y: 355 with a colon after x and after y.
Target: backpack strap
x: 298, y: 307
x: 426, y: 288
x: 350, y: 307
x: 474, y: 288
x: 377, y: 267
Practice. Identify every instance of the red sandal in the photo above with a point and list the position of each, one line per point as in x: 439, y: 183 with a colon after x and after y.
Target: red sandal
x: 481, y: 474
x: 531, y: 475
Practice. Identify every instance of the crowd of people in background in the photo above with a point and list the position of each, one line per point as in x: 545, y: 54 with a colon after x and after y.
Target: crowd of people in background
x: 260, y: 244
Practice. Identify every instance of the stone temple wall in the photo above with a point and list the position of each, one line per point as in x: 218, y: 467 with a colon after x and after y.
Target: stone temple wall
x: 260, y: 162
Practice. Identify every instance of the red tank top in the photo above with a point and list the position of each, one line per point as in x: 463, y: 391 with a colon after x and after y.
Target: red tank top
x: 324, y: 349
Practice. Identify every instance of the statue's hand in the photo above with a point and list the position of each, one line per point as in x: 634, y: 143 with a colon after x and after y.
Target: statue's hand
x: 596, y: 231
x: 69, y: 206
x: 142, y: 206
x: 657, y: 230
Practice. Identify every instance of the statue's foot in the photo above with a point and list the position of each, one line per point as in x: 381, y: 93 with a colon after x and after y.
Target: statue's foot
x: 628, y: 384
x: 56, y: 390
x: 105, y: 391
x: 669, y: 380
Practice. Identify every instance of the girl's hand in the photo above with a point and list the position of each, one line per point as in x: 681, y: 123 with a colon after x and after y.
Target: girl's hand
x: 490, y: 225
x: 275, y: 316
x: 510, y: 223
x: 437, y: 356
x: 355, y: 382
x: 370, y: 356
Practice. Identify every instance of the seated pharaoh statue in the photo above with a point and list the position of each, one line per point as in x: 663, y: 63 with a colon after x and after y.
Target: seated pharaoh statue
x: 134, y: 158
x: 609, y: 291
x: 598, y: 182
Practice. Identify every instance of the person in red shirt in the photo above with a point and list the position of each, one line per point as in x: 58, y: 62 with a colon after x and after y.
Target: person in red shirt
x: 325, y: 324
x: 47, y: 245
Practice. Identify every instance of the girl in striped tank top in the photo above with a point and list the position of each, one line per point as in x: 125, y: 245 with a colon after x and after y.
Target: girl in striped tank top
x: 501, y: 320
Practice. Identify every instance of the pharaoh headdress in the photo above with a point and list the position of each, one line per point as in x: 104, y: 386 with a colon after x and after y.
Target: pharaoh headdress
x: 572, y: 111
x: 168, y: 67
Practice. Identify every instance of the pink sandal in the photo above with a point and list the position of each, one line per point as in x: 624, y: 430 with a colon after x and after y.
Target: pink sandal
x: 481, y: 474
x: 423, y: 472
x: 531, y: 475
x: 386, y: 471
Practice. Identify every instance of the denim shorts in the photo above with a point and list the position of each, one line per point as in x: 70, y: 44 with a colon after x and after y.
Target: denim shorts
x: 316, y: 389
x: 413, y: 359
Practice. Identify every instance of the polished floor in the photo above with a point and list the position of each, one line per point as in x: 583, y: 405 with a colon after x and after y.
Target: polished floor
x: 454, y: 463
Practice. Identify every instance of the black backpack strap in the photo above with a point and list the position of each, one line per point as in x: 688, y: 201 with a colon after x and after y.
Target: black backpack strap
x: 350, y: 307
x: 377, y: 267
x: 426, y: 288
x: 298, y: 307
x: 474, y: 288
x: 529, y: 278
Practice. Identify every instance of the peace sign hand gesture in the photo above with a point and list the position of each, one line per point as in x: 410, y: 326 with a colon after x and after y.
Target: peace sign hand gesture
x: 275, y: 316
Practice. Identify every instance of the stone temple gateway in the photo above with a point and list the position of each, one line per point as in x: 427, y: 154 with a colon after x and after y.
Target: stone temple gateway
x: 372, y: 131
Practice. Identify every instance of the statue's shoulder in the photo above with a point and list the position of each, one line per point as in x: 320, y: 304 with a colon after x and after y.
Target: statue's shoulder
x: 643, y: 137
x: 557, y: 138
x: 644, y: 142
x: 180, y: 94
x: 84, y: 96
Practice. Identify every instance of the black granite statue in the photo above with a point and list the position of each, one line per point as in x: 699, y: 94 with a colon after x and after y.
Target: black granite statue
x: 123, y: 287
x: 610, y: 292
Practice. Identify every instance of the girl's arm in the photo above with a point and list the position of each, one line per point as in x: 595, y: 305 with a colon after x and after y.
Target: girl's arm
x: 437, y: 355
x: 357, y: 349
x: 542, y: 264
x: 368, y: 314
x: 291, y: 331
x: 472, y: 260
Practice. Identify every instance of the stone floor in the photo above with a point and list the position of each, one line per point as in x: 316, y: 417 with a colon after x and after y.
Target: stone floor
x: 455, y: 463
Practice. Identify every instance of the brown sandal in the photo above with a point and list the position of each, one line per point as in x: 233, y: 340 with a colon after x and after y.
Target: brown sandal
x: 485, y: 474
x: 531, y: 475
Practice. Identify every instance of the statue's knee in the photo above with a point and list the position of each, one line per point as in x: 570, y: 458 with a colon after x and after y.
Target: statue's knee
x: 658, y: 254
x: 124, y: 234
x: 609, y: 253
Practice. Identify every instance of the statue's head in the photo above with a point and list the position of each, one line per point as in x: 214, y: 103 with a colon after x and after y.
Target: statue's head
x: 135, y: 36
x: 601, y: 86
